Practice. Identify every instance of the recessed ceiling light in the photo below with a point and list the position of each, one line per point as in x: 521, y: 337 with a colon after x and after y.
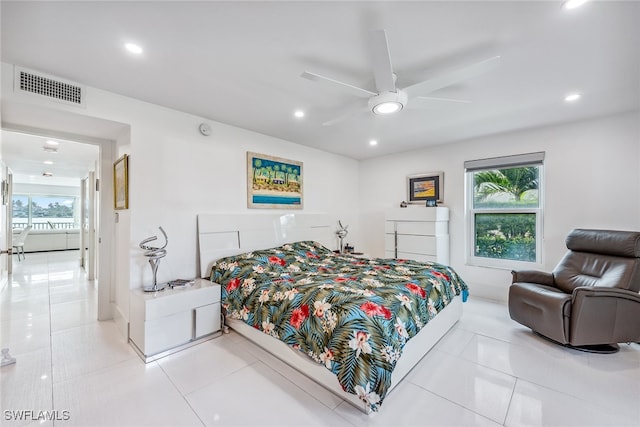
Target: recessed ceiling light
x: 373, y: 142
x: 52, y: 150
x: 47, y: 174
x: 48, y: 162
x: 299, y: 114
x: 133, y: 48
x: 572, y: 4
x: 572, y: 97
x: 51, y: 142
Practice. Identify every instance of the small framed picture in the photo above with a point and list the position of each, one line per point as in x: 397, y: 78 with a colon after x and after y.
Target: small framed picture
x: 432, y: 203
x: 121, y: 183
x: 424, y: 187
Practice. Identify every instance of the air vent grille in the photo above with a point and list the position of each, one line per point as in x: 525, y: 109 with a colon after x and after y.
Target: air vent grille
x: 50, y: 87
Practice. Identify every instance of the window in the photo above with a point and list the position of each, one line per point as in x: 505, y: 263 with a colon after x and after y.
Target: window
x: 44, y: 212
x: 504, y: 211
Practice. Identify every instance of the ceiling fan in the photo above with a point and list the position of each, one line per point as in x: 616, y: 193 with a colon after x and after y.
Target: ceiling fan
x: 390, y: 99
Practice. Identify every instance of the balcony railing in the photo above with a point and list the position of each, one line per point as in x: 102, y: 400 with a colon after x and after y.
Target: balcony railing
x: 50, y: 225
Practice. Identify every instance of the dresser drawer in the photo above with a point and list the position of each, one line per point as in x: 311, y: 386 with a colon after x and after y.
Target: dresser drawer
x: 417, y: 244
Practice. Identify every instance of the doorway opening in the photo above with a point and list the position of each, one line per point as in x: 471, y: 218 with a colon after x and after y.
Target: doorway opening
x: 52, y: 185
x: 52, y: 204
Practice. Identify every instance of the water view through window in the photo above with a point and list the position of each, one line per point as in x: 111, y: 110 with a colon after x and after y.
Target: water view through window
x: 44, y: 212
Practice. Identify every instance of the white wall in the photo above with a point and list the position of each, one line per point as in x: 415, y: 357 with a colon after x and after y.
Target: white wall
x: 47, y: 190
x: 176, y: 173
x: 591, y: 176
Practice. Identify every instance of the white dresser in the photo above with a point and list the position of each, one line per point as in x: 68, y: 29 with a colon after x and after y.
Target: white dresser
x: 164, y: 322
x: 417, y: 233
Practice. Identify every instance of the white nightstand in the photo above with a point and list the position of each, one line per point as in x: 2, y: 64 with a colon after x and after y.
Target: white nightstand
x: 161, y: 323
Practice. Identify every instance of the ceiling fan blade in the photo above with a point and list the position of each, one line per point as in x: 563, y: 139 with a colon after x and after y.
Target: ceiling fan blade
x: 349, y: 112
x: 434, y: 103
x: 434, y: 98
x: 451, y: 77
x: 354, y: 90
x: 382, y: 69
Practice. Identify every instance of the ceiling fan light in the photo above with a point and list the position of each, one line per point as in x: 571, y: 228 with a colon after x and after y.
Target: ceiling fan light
x: 388, y: 102
x: 388, y: 107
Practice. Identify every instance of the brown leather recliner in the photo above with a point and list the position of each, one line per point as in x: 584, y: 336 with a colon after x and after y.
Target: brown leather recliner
x: 591, y: 300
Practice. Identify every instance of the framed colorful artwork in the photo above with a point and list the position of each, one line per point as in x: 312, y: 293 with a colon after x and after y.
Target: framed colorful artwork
x: 273, y: 182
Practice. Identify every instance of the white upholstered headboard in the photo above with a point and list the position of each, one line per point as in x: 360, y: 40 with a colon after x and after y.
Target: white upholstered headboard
x: 226, y: 234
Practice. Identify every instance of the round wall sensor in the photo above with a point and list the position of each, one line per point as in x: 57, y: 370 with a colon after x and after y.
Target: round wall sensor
x: 205, y: 129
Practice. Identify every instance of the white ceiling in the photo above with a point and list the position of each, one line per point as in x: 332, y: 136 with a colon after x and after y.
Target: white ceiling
x: 240, y: 62
x: 25, y: 155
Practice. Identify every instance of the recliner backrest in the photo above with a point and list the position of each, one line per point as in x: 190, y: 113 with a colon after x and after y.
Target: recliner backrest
x: 600, y: 258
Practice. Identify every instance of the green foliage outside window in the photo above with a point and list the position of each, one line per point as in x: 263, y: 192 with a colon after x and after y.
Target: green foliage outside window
x: 506, y: 236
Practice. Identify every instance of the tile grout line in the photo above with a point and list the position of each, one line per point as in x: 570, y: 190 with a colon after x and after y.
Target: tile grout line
x: 184, y: 397
x: 513, y: 392
x: 53, y: 399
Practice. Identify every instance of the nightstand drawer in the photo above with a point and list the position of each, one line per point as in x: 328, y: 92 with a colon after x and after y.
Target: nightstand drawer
x: 206, y: 320
x: 166, y: 321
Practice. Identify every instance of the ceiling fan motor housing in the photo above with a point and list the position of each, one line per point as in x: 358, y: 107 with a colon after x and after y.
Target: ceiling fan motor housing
x: 384, y: 102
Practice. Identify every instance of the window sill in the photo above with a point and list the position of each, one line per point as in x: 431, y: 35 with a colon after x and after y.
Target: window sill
x: 505, y: 264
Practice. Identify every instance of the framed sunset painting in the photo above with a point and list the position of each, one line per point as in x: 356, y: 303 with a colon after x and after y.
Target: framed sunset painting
x: 425, y: 187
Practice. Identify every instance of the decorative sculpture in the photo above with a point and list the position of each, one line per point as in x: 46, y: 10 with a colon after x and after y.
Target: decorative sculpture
x: 342, y: 233
x: 155, y: 254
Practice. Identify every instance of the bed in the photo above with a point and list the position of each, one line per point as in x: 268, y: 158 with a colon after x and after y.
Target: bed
x: 356, y: 326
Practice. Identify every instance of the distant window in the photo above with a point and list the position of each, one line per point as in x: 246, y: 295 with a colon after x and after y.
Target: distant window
x: 44, y: 212
x: 504, y: 214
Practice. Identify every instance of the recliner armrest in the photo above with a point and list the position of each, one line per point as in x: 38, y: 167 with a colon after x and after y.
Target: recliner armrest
x: 602, y: 291
x: 532, y: 276
x: 602, y: 315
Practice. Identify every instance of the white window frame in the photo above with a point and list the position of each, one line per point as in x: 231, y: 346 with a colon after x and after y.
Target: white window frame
x: 524, y: 160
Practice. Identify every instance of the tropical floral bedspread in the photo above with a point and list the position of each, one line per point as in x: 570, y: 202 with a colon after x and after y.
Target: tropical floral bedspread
x: 352, y: 315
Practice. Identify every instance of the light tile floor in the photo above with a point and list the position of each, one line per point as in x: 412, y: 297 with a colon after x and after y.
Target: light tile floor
x: 487, y: 371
